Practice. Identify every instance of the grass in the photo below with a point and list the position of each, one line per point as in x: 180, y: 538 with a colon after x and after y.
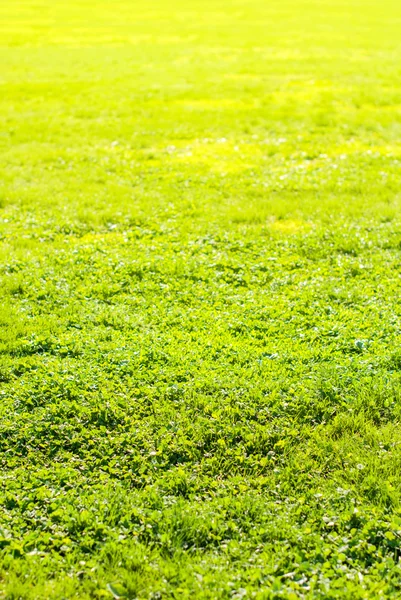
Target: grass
x: 200, y: 258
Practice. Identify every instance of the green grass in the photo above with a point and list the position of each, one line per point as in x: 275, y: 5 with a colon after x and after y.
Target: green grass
x: 200, y: 325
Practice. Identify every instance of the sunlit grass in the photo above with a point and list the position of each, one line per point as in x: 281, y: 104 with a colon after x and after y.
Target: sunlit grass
x: 200, y: 248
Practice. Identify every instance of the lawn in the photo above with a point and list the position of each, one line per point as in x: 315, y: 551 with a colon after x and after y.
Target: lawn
x: 200, y: 308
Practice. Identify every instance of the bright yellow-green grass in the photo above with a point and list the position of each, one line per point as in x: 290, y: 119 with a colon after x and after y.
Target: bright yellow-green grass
x: 200, y: 299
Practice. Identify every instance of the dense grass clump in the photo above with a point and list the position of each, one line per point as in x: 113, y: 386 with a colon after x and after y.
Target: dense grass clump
x: 200, y: 258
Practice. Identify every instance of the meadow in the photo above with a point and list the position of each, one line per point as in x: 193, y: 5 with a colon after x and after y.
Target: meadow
x: 200, y: 309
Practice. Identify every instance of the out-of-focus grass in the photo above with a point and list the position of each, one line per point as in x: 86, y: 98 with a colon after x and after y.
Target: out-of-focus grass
x: 200, y: 255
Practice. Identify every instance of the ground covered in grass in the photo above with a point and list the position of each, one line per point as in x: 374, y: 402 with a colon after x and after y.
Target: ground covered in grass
x: 200, y: 260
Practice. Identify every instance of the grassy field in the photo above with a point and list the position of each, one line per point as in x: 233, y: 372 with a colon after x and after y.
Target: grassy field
x: 200, y: 323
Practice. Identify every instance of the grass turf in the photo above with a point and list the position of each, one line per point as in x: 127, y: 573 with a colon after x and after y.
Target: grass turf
x: 200, y: 252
